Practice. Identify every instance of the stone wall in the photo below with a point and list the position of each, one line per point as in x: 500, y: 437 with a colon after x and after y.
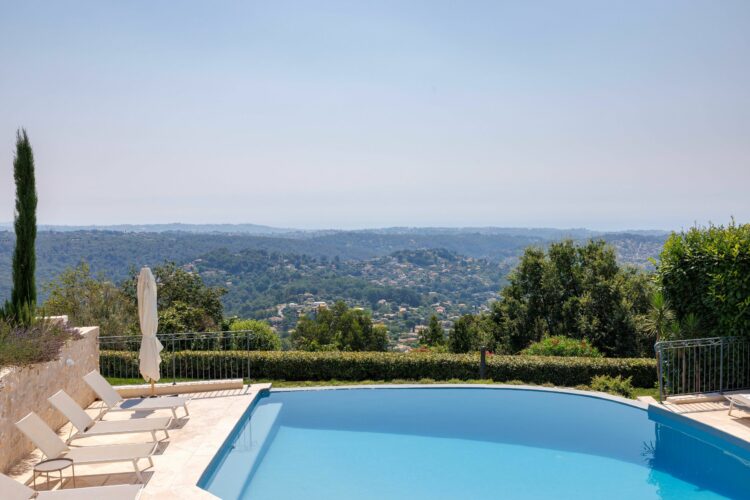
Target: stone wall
x: 26, y: 389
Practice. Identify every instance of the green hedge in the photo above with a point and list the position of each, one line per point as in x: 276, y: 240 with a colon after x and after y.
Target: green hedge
x: 299, y: 365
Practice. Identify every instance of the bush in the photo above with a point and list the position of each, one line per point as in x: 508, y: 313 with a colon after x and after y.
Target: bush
x: 300, y: 365
x: 613, y: 385
x: 255, y: 335
x: 38, y: 343
x: 706, y: 272
x: 562, y: 346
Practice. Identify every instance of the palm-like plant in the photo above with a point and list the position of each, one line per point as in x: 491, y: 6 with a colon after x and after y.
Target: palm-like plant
x: 659, y: 321
x: 690, y: 327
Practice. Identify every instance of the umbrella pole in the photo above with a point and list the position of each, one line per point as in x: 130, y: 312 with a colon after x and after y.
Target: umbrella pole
x: 153, y: 389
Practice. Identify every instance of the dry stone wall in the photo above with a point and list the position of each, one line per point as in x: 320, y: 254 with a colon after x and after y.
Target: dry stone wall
x: 26, y: 389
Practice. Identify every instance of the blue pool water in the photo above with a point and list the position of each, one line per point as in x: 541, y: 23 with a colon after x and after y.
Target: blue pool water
x: 448, y: 443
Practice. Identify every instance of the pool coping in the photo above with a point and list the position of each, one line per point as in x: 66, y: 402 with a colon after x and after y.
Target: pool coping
x: 563, y: 390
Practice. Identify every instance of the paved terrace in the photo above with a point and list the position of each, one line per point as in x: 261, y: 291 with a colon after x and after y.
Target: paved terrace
x: 178, y: 461
x: 712, y: 413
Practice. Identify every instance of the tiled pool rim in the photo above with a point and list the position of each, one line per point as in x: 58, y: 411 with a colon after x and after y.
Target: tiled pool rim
x: 695, y: 429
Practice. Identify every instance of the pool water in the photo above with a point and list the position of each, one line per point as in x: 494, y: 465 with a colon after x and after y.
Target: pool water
x: 447, y: 443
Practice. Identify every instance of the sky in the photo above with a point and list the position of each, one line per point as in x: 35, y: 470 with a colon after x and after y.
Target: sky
x: 353, y: 114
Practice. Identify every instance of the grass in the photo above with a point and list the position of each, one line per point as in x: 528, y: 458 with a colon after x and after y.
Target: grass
x: 281, y: 384
x: 645, y: 391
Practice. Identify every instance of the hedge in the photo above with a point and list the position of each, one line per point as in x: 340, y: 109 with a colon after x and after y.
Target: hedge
x: 300, y: 365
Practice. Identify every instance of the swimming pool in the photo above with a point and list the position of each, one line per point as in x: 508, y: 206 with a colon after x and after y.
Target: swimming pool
x: 465, y: 442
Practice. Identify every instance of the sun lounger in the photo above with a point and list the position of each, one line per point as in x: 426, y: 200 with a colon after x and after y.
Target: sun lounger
x: 115, y: 402
x: 53, y: 447
x: 13, y: 490
x: 86, y: 426
x: 738, y: 400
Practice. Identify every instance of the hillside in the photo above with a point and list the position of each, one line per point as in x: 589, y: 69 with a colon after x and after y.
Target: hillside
x: 405, y: 267
x: 402, y: 289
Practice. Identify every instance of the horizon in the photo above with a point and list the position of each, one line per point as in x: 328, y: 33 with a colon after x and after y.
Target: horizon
x: 8, y: 226
x: 381, y: 114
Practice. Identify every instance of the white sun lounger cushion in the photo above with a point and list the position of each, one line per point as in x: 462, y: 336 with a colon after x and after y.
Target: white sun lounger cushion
x: 42, y: 436
x: 114, y: 492
x: 13, y: 490
x: 113, y: 400
x: 87, y: 427
x: 740, y: 399
x: 110, y: 453
x: 53, y: 447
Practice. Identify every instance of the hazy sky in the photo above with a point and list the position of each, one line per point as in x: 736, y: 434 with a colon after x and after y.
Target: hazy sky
x: 609, y: 115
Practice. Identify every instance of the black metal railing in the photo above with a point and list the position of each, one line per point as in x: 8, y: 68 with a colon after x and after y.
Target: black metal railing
x: 186, y: 356
x: 700, y: 366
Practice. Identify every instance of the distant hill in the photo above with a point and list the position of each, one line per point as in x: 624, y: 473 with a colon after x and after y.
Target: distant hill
x: 256, y: 229
x: 112, y: 253
x: 161, y: 228
x: 402, y: 289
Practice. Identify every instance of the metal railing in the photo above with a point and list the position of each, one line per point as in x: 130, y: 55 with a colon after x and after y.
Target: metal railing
x: 186, y: 356
x: 700, y: 366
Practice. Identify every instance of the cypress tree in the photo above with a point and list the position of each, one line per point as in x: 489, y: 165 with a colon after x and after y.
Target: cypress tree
x: 434, y: 334
x: 23, y: 297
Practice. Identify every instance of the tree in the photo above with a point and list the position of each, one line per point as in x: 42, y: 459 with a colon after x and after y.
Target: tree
x: 574, y: 291
x: 181, y: 317
x: 463, y: 337
x: 23, y: 296
x: 185, y: 302
x: 339, y: 328
x: 433, y: 335
x: 90, y: 301
x: 259, y: 336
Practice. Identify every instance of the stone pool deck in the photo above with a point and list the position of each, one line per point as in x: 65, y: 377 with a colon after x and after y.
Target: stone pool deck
x: 712, y: 413
x: 178, y: 461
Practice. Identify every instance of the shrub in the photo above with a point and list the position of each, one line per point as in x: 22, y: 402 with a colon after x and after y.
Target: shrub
x: 706, y: 272
x: 256, y: 335
x: 301, y: 365
x: 613, y: 385
x: 562, y: 346
x: 37, y: 343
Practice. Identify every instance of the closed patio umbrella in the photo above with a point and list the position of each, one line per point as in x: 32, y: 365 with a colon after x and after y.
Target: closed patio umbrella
x: 149, y: 356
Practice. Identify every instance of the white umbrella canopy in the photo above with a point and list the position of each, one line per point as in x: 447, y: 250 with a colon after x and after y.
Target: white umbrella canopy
x: 149, y: 356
